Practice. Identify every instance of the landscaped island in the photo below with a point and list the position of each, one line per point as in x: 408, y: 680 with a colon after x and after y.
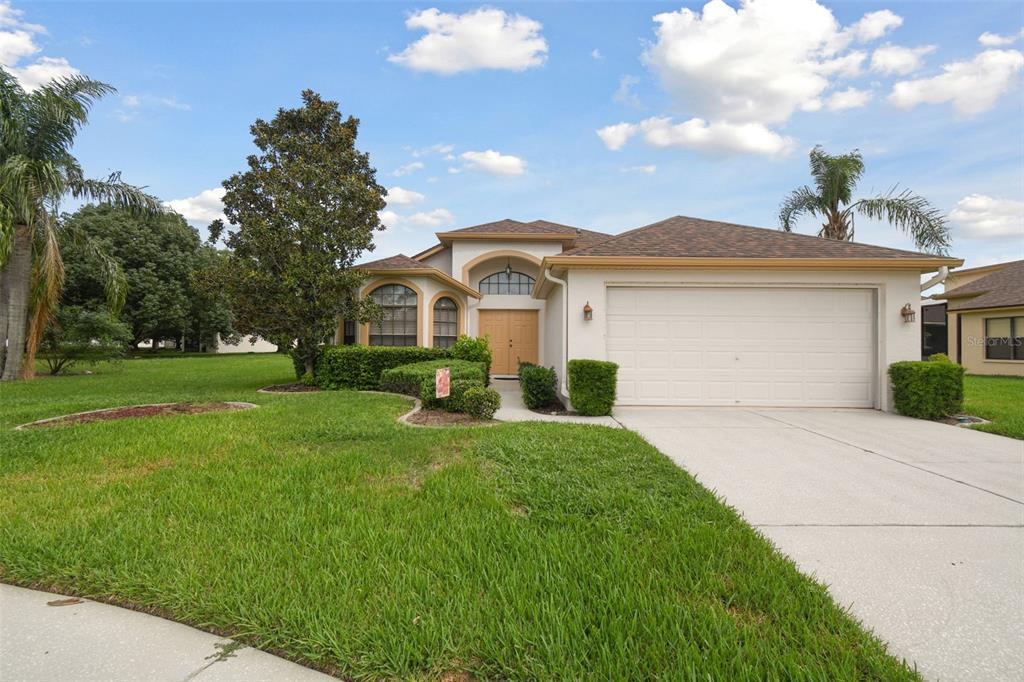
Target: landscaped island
x: 323, y: 529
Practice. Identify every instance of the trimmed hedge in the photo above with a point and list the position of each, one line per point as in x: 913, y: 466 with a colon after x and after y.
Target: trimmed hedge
x: 417, y: 379
x: 361, y: 367
x: 474, y: 349
x: 592, y: 386
x: 539, y: 385
x: 481, y: 402
x: 930, y: 389
x: 455, y: 402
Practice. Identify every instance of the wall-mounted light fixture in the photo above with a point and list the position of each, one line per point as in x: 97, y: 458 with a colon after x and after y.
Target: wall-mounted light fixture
x: 588, y: 312
x: 508, y: 269
x: 907, y: 311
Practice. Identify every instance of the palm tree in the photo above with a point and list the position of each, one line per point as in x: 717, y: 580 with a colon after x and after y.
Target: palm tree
x: 37, y: 170
x: 835, y: 178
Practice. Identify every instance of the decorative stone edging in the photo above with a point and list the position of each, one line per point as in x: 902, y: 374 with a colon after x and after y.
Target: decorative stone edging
x: 39, y: 422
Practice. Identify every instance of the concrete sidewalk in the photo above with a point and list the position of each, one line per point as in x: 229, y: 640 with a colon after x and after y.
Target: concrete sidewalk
x: 916, y: 526
x: 93, y: 641
x: 514, y: 410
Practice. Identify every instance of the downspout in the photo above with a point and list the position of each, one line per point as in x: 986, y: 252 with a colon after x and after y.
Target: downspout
x: 939, y: 278
x: 563, y: 384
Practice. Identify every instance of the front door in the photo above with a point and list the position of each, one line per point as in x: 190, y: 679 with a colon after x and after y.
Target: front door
x: 512, y: 335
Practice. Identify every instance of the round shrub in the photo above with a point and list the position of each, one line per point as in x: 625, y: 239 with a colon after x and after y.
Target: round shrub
x: 933, y: 389
x: 592, y: 386
x: 538, y: 385
x: 481, y: 402
x: 473, y: 349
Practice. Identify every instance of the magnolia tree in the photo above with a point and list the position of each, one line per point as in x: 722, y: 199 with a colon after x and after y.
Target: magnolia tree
x: 301, y: 214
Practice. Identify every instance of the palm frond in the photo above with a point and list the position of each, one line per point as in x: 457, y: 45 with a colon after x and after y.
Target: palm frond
x: 913, y: 215
x: 836, y: 176
x: 57, y: 110
x: 801, y: 201
x: 111, y: 275
x: 113, y: 191
x: 47, y: 284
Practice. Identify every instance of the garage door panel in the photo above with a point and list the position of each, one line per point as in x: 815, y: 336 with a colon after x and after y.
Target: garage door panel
x: 729, y: 346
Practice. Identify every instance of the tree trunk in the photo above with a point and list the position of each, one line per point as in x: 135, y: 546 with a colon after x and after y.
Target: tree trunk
x: 18, y: 281
x: 5, y: 291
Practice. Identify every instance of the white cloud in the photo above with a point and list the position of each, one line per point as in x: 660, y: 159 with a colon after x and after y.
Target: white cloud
x: 983, y: 217
x: 646, y: 170
x: 436, y: 218
x: 615, y: 136
x: 596, y: 54
x: 131, y: 101
x: 494, y: 162
x: 17, y: 43
x: 850, y: 98
x: 896, y: 59
x: 444, y: 150
x: 700, y: 135
x: 401, y: 197
x: 759, y: 63
x: 874, y: 25
x: 989, y: 39
x: 971, y: 86
x: 483, y: 38
x: 131, y: 104
x: 408, y: 168
x: 203, y: 208
x: 624, y: 93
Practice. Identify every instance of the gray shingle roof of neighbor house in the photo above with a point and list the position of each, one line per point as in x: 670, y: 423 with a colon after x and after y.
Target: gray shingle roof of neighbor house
x: 685, y: 237
x: 1002, y: 289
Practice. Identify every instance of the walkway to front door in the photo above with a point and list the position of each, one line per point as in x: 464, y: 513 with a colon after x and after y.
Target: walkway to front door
x: 512, y: 335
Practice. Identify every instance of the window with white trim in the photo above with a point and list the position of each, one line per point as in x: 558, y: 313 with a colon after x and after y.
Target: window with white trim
x: 514, y: 283
x: 446, y: 322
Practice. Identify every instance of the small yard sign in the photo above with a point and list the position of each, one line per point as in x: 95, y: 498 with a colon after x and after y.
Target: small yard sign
x: 443, y: 382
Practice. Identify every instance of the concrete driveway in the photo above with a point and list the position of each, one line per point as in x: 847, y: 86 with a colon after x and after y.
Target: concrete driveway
x: 917, y: 527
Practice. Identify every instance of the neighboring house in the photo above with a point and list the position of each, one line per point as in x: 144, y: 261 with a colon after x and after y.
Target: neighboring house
x: 695, y: 312
x: 985, y: 318
x: 244, y: 346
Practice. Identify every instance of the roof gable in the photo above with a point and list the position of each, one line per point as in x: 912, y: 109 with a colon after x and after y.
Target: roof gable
x: 1001, y: 289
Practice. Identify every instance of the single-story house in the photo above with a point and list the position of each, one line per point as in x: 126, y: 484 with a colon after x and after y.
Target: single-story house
x: 985, y: 318
x: 695, y: 312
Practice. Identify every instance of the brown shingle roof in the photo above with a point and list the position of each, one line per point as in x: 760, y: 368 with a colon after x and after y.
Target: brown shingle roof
x: 1002, y: 289
x: 684, y: 237
x: 509, y: 226
x: 398, y: 262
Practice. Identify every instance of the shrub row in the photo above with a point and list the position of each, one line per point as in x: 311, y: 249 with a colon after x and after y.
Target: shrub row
x: 417, y: 379
x: 930, y: 389
x: 539, y: 386
x: 361, y: 367
x: 592, y: 386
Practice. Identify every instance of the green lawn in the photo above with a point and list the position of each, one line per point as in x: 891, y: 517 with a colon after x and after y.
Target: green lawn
x: 998, y: 399
x: 318, y: 527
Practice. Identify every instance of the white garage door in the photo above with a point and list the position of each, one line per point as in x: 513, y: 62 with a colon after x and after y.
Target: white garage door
x: 743, y: 346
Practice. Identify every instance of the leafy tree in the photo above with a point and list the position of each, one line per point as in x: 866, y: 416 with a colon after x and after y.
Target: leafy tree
x: 37, y: 170
x: 304, y: 210
x: 83, y: 335
x: 831, y: 199
x: 159, y: 255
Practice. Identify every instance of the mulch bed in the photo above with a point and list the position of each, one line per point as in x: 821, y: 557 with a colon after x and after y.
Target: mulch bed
x: 290, y: 388
x: 442, y: 418
x: 169, y: 409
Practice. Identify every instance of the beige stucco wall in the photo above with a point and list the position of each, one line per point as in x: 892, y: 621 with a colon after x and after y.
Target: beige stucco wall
x: 243, y: 346
x: 442, y: 260
x: 972, y: 336
x: 896, y: 339
x: 466, y: 251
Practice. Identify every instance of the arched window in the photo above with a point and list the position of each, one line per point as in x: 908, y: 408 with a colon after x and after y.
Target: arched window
x: 398, y: 324
x: 446, y: 322
x: 515, y: 283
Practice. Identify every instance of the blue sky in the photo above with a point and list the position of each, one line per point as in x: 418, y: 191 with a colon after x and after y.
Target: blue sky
x: 607, y: 116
